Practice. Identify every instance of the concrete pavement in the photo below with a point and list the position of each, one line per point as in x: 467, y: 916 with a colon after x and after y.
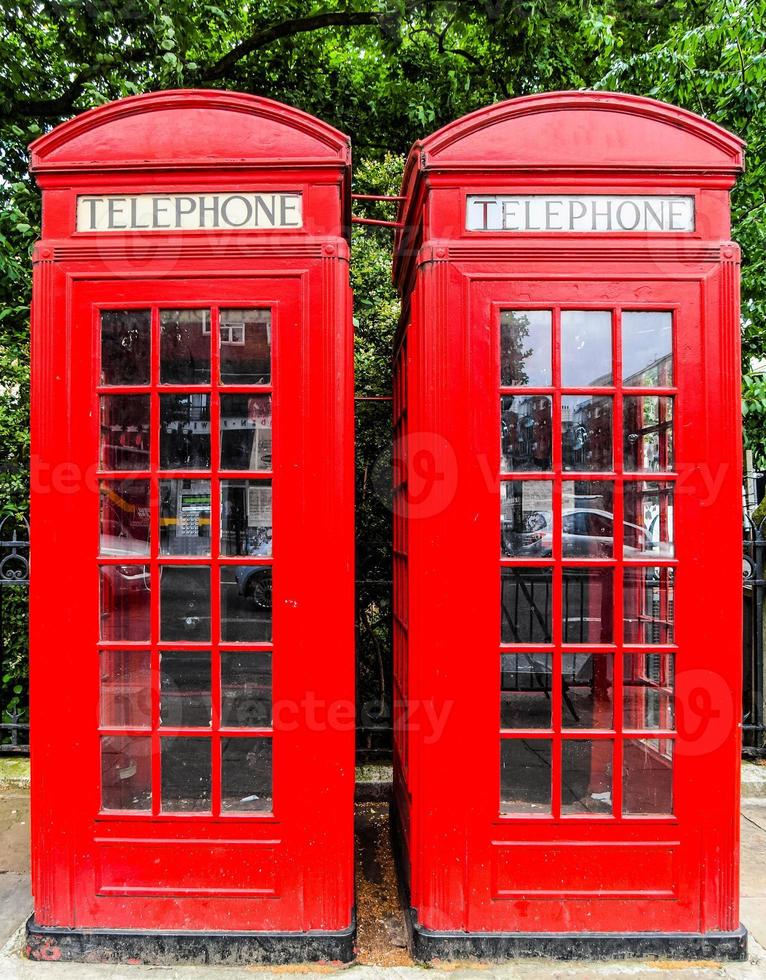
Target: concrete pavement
x: 375, y: 893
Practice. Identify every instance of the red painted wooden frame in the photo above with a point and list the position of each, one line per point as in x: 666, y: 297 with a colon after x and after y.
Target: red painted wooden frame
x: 472, y: 869
x: 291, y: 869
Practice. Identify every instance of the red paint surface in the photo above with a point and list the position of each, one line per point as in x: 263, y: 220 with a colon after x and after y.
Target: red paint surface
x: 469, y: 867
x: 287, y: 870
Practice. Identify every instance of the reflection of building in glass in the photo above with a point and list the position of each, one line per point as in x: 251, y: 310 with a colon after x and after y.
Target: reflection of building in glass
x: 586, y: 430
x: 526, y: 432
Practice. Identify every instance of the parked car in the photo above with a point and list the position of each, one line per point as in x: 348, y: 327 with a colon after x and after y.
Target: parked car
x: 254, y: 581
x: 586, y: 533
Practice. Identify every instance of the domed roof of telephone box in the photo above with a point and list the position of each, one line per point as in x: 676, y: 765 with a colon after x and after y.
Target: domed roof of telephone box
x: 190, y: 129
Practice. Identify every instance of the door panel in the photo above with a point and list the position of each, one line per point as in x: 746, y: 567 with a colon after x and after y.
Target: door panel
x: 200, y: 614
x: 588, y: 438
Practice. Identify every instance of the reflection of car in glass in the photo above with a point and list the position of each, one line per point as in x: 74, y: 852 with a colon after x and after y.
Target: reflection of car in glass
x: 254, y: 581
x: 128, y: 578
x: 586, y: 533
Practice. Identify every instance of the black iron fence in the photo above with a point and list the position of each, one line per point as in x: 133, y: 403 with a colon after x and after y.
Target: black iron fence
x: 374, y: 687
x: 14, y: 587
x: 754, y: 582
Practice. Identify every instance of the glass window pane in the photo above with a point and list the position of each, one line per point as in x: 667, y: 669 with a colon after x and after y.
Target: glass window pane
x: 525, y: 690
x: 126, y: 773
x: 245, y: 689
x: 586, y: 776
x: 245, y: 347
x: 246, y: 603
x: 125, y: 341
x: 125, y: 605
x: 648, y: 519
x: 586, y: 432
x: 185, y: 688
x: 525, y: 348
x: 588, y: 609
x: 124, y: 432
x: 125, y: 521
x: 649, y: 603
x: 647, y: 776
x: 526, y: 516
x: 586, y: 348
x: 184, y: 517
x: 184, y: 347
x: 525, y: 433
x: 587, y: 523
x: 648, y: 688
x: 647, y: 425
x: 246, y: 432
x: 185, y: 432
x: 525, y: 605
x: 647, y: 349
x: 246, y: 518
x: 184, y: 603
x: 525, y: 775
x: 588, y: 690
x: 246, y: 774
x: 125, y: 678
x: 185, y: 773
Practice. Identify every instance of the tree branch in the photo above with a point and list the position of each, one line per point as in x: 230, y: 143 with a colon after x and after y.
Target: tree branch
x: 289, y: 28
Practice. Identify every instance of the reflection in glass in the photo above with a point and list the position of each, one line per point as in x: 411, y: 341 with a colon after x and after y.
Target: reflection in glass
x: 185, y: 774
x: 185, y: 688
x: 648, y: 518
x: 588, y: 690
x: 525, y: 433
x: 525, y: 690
x: 647, y: 427
x: 586, y: 348
x: 184, y: 347
x: 586, y: 432
x: 586, y: 776
x: 648, y: 605
x: 525, y: 605
x: 246, y: 432
x: 125, y: 347
x: 587, y: 519
x: 648, y: 685
x: 647, y: 349
x: 125, y: 602
x: 526, y: 518
x: 525, y: 775
x: 124, y: 518
x: 184, y: 603
x: 245, y: 347
x: 588, y: 605
x: 245, y: 689
x: 124, y: 432
x: 125, y: 681
x: 525, y: 348
x: 126, y: 773
x: 185, y: 432
x: 246, y: 603
x: 184, y: 517
x: 246, y: 774
x: 647, y: 776
x: 246, y: 517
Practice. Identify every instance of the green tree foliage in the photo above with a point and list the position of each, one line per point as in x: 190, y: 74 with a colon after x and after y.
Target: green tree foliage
x: 388, y: 72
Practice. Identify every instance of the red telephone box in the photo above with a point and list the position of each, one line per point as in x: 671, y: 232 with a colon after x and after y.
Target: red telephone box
x: 192, y: 598
x: 567, y: 536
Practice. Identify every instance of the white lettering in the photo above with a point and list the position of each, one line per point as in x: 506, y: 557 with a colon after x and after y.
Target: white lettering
x: 229, y: 210
x: 579, y: 213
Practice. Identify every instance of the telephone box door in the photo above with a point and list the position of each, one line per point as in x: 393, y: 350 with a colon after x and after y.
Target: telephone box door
x: 203, y: 431
x: 588, y: 775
